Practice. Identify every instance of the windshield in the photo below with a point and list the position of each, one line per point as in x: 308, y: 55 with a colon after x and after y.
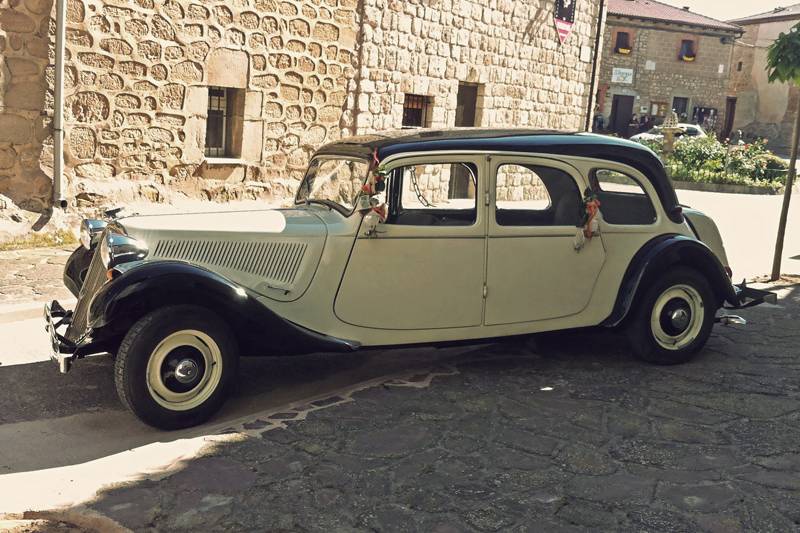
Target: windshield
x: 334, y: 179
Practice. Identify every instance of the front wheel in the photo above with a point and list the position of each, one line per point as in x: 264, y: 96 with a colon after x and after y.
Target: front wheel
x: 176, y: 366
x: 674, y: 318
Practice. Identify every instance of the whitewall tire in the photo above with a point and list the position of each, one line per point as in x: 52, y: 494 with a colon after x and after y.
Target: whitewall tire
x: 176, y: 366
x: 673, y: 317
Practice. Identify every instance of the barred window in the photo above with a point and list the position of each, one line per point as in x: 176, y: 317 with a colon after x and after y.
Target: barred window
x: 223, y: 125
x: 416, y: 111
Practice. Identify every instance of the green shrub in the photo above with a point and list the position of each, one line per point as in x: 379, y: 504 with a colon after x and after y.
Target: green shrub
x: 707, y: 160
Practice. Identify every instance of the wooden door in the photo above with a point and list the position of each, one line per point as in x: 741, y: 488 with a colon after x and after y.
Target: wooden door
x: 621, y: 113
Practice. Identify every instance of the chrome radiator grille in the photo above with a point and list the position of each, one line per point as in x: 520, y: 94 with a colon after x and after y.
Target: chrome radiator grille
x: 277, y: 260
x: 95, y: 278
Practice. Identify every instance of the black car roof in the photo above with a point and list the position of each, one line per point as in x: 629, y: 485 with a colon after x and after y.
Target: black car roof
x: 386, y: 144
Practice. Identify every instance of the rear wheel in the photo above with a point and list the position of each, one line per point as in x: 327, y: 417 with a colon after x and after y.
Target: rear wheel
x: 673, y: 318
x: 176, y: 366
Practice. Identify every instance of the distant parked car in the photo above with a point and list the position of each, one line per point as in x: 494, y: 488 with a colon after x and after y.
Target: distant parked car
x: 413, y: 237
x: 656, y: 134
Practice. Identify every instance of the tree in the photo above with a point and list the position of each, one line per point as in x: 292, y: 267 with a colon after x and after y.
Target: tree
x: 783, y: 65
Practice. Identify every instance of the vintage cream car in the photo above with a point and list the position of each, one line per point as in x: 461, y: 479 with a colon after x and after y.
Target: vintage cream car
x: 410, y: 237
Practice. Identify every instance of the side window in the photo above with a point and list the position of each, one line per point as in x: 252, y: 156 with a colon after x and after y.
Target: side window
x: 532, y: 195
x: 622, y: 198
x: 435, y: 194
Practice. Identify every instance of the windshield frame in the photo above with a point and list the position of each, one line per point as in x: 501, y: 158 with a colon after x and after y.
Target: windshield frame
x: 314, y: 163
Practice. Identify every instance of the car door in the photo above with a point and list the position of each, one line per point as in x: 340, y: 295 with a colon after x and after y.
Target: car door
x: 534, y: 271
x: 425, y: 268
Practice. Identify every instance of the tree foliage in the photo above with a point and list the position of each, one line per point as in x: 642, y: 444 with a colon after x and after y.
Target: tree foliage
x: 783, y: 57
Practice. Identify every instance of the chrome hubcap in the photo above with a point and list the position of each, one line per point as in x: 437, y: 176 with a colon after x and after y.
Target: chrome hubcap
x: 677, y: 317
x: 186, y: 371
x: 680, y: 319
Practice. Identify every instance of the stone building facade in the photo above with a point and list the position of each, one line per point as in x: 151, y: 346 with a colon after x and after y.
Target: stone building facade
x: 657, y: 58
x: 228, y: 99
x: 763, y: 109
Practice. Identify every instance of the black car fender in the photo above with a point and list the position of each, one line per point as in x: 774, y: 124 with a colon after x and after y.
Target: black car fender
x: 75, y: 269
x: 144, y: 286
x: 655, y: 258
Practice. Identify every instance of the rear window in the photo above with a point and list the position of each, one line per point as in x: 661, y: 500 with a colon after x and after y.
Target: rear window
x: 623, y: 200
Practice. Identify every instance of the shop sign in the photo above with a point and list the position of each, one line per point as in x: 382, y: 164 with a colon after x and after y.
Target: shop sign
x: 622, y: 75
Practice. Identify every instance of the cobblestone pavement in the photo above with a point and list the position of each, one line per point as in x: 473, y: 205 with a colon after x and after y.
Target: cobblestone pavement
x: 32, y: 275
x: 569, y: 435
x: 578, y: 437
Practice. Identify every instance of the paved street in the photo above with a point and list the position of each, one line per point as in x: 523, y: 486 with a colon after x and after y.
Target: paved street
x: 571, y: 434
x: 749, y: 225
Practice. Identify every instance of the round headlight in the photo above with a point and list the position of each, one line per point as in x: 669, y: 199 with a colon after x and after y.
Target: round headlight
x: 85, y: 238
x: 90, y: 230
x: 116, y: 249
x: 105, y: 251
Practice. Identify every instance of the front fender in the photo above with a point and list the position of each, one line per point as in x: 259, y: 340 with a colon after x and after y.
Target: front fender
x: 658, y: 255
x: 148, y: 285
x: 75, y: 269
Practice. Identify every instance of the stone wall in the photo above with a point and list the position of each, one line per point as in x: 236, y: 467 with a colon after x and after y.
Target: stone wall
x: 763, y: 109
x: 308, y: 72
x: 659, y: 75
x: 25, y: 135
x: 509, y: 48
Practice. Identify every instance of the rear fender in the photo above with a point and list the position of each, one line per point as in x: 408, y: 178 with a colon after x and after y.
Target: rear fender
x: 148, y: 285
x: 655, y: 258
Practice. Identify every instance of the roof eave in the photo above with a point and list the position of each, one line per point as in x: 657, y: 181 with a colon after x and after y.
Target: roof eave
x: 761, y: 20
x: 730, y: 28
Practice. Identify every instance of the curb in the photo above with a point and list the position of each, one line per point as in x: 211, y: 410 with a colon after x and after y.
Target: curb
x: 725, y: 187
x: 28, y: 310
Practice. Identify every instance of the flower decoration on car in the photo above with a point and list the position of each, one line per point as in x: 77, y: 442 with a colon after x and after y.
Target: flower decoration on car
x: 590, y: 219
x: 373, y: 187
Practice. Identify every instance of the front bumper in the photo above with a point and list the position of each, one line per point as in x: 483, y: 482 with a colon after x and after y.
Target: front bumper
x: 62, y: 351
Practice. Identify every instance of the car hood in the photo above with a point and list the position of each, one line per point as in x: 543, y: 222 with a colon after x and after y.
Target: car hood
x: 272, y: 252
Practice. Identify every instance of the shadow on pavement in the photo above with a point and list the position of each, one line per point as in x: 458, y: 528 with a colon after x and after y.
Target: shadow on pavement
x: 572, y: 433
x: 52, y: 420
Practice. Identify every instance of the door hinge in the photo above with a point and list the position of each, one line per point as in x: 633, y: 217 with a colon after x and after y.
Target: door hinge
x: 486, y: 199
x: 485, y: 291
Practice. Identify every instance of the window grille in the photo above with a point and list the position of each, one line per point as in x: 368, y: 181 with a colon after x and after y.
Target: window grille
x: 216, y: 126
x: 415, y: 111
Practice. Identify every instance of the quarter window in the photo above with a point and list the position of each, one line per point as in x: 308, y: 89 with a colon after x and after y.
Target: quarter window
x: 421, y: 195
x: 532, y: 195
x: 623, y: 200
